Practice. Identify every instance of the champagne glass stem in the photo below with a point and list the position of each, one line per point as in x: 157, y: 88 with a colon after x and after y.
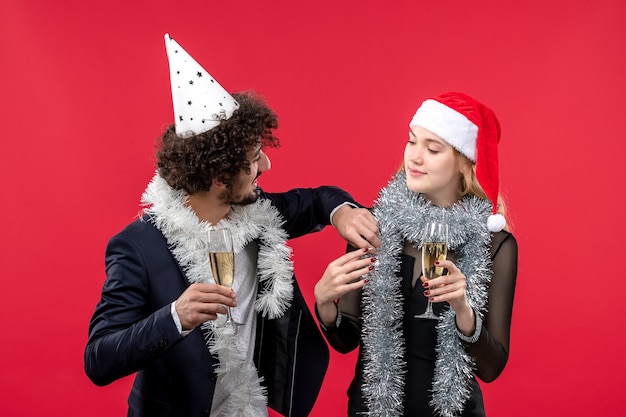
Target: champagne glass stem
x: 429, y: 310
x: 429, y: 313
x: 229, y: 317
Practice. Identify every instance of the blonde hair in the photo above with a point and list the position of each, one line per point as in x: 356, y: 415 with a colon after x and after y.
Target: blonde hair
x: 469, y: 185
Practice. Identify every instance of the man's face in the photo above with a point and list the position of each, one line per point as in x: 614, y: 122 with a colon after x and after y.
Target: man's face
x: 244, y: 188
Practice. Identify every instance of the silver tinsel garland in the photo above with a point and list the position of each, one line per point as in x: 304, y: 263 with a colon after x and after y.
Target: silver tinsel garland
x: 402, y: 214
x: 187, y: 239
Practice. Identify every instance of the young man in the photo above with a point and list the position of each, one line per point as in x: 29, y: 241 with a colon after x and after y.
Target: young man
x: 159, y: 304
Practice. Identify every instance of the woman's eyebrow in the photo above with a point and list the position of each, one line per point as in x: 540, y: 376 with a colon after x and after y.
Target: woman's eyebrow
x: 427, y: 139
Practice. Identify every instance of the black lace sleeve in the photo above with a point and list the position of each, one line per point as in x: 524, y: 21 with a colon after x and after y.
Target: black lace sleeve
x: 491, y: 350
x: 345, y: 337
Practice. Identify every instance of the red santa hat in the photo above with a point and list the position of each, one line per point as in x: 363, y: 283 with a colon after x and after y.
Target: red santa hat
x: 473, y: 129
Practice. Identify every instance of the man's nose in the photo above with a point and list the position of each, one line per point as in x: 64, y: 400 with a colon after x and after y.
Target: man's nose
x: 264, y: 162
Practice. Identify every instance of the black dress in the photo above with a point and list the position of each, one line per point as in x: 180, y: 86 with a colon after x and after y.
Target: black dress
x: 490, y: 350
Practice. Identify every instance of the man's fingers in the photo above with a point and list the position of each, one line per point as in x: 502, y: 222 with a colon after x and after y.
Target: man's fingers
x: 214, y: 289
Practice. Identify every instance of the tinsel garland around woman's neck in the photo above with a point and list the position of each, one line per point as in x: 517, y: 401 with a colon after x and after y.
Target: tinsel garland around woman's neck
x: 402, y: 215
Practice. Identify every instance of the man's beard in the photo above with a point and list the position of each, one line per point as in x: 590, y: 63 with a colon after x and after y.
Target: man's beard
x: 230, y: 197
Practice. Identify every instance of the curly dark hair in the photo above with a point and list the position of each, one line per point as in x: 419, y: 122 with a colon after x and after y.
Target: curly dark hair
x: 192, y: 163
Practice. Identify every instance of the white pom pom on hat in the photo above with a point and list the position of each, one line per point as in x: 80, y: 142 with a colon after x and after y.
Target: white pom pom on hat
x: 496, y: 222
x: 474, y: 130
x: 200, y: 102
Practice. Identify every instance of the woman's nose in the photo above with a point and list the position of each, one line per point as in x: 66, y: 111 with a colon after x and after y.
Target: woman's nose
x: 415, y: 155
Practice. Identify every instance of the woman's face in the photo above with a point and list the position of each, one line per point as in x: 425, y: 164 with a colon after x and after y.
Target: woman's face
x: 431, y: 167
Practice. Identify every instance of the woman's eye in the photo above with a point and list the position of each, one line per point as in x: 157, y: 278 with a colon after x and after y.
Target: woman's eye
x: 433, y: 151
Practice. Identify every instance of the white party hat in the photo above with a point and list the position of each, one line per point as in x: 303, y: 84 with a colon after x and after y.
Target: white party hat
x: 200, y: 102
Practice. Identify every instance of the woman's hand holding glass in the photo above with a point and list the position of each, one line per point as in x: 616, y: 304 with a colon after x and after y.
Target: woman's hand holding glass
x: 451, y: 289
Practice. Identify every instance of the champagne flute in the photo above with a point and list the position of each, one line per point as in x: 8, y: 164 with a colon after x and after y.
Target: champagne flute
x: 434, y: 248
x: 222, y: 259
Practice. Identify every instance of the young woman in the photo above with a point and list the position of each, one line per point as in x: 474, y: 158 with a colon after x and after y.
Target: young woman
x: 408, y: 365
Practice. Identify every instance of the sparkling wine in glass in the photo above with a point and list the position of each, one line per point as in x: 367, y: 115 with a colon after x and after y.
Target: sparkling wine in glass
x: 222, y: 259
x: 434, y: 248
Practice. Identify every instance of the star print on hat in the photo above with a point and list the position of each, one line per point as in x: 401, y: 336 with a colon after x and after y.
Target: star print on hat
x: 200, y: 102
x: 474, y: 130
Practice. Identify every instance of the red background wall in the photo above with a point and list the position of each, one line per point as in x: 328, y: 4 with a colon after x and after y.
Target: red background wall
x: 85, y: 91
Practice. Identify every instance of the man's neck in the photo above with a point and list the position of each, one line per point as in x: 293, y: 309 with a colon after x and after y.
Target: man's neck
x: 208, y: 207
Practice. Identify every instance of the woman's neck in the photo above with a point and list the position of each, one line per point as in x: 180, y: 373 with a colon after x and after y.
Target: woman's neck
x: 442, y: 199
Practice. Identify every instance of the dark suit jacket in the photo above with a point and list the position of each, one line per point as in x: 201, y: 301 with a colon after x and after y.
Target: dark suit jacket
x: 132, y: 329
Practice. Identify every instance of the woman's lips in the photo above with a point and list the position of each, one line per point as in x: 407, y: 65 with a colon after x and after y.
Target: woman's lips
x: 416, y: 173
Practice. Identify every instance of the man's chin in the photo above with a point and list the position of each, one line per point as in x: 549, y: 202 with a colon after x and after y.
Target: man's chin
x: 248, y: 199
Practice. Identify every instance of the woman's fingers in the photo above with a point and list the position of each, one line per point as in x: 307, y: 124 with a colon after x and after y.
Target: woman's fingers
x: 449, y: 287
x: 351, y: 266
x: 342, y: 274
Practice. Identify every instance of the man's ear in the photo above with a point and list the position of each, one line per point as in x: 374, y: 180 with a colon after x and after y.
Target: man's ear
x: 217, y: 183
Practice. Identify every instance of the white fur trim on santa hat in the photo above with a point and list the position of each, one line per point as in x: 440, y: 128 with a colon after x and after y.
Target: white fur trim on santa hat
x: 449, y: 125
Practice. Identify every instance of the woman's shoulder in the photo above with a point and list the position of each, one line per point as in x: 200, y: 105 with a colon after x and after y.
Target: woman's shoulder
x: 502, y: 240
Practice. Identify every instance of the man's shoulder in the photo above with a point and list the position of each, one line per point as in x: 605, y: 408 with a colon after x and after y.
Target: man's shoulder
x: 142, y: 228
x: 143, y: 238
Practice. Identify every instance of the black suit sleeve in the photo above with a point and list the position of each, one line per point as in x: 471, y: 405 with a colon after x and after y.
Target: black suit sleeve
x: 307, y: 210
x: 129, y: 329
